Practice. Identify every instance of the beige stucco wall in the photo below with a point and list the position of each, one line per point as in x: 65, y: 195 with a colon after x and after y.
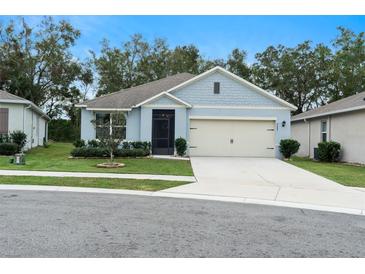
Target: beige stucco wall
x: 348, y: 129
x: 300, y: 132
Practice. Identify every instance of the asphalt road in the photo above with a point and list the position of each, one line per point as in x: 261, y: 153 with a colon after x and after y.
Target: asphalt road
x: 56, y: 224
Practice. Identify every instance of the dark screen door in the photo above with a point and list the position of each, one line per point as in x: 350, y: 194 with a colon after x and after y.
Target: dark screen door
x: 163, y: 131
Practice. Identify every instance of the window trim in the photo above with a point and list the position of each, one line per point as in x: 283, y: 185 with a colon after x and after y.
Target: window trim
x: 324, y: 131
x: 111, y: 124
x: 6, y: 114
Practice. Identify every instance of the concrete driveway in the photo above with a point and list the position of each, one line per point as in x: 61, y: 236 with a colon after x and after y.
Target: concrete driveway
x: 267, y: 179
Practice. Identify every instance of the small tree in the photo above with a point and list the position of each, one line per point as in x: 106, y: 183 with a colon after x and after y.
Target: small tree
x: 288, y: 147
x: 180, y: 144
x: 19, y: 138
x: 112, y: 132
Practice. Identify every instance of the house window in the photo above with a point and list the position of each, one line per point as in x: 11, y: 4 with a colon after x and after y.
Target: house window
x: 4, y: 120
x: 107, y: 124
x: 217, y: 87
x: 324, y: 131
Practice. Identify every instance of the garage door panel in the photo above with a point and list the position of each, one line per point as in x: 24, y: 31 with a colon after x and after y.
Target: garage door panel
x: 232, y: 138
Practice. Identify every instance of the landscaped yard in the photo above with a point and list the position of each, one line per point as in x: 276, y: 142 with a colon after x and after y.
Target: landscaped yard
x: 55, y: 158
x: 147, y: 185
x: 344, y: 174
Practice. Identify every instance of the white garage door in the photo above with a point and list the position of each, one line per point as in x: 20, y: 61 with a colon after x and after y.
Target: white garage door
x: 246, y: 138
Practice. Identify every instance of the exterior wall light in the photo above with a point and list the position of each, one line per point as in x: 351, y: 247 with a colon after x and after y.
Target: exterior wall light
x: 283, y: 123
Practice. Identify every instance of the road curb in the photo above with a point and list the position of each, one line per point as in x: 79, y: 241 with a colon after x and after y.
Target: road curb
x: 61, y: 174
x: 165, y: 194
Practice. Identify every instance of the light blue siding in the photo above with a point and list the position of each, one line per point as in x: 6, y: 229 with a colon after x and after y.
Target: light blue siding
x: 133, y: 125
x: 231, y: 93
x: 181, y: 123
x: 146, y: 124
x: 164, y: 100
x: 87, y: 128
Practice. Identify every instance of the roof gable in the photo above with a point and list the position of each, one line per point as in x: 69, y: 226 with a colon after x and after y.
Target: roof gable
x: 165, y: 99
x: 238, y: 90
x: 351, y: 103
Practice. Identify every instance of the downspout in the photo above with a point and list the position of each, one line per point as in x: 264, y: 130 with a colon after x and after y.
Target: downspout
x: 309, y: 137
x: 24, y: 112
x: 329, y: 128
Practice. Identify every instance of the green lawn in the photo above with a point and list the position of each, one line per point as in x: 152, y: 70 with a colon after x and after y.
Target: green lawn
x: 55, y: 158
x: 147, y: 185
x: 344, y: 174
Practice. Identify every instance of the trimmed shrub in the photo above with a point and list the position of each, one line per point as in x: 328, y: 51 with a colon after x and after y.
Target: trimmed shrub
x: 138, y: 152
x: 329, y: 151
x: 288, y: 147
x: 102, y: 152
x: 79, y: 143
x: 19, y: 138
x: 89, y: 152
x: 181, y: 146
x: 93, y: 143
x: 141, y: 145
x: 126, y: 145
x: 136, y: 145
x: 5, y: 138
x: 8, y: 148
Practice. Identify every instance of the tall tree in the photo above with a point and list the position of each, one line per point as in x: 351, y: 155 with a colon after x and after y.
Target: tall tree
x: 119, y: 68
x: 348, y: 74
x: 296, y: 75
x: 155, y: 63
x: 36, y: 63
x: 236, y: 63
x: 184, y: 59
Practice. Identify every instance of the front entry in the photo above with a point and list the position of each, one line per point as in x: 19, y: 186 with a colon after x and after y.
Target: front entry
x: 163, y: 131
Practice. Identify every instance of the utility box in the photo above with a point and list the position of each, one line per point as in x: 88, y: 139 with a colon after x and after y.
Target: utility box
x: 19, y: 159
x: 315, y: 154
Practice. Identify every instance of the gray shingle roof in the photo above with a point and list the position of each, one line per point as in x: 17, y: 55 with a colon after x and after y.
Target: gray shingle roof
x: 11, y: 98
x: 343, y: 105
x: 8, y: 96
x: 127, y: 98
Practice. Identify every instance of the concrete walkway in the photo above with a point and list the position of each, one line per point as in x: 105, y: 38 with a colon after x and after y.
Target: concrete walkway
x: 268, y: 180
x: 96, y: 175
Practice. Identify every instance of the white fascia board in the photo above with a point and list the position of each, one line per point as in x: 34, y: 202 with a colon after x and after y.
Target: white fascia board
x: 163, y: 106
x: 329, y: 113
x: 164, y: 93
x: 243, y: 118
x: 239, y: 107
x: 109, y: 109
x: 237, y: 78
x: 80, y: 106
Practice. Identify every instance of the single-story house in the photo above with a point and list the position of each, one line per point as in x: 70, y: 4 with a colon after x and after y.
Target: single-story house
x: 342, y: 121
x: 217, y: 112
x: 17, y: 113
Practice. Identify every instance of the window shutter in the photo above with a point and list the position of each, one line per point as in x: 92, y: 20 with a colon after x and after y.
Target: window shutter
x: 217, y: 87
x: 4, y: 120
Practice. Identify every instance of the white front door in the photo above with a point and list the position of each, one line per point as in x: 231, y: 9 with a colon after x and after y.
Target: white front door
x: 245, y: 138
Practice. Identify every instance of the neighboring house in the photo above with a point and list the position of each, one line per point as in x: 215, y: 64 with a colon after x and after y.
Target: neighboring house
x: 342, y: 121
x: 17, y: 113
x: 217, y: 112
